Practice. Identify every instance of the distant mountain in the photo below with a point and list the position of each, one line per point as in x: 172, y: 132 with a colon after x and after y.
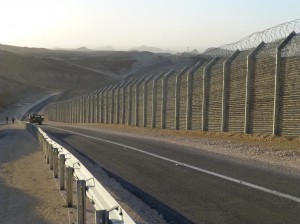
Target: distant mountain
x: 106, y: 48
x: 151, y: 49
x: 83, y: 49
x: 23, y: 50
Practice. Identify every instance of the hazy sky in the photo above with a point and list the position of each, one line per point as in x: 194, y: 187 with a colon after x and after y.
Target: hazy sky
x: 168, y: 24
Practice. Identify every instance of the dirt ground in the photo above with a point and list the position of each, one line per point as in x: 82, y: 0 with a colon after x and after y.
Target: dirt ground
x: 28, y: 191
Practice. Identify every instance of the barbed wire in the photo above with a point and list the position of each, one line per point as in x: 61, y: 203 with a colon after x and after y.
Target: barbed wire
x: 272, y: 34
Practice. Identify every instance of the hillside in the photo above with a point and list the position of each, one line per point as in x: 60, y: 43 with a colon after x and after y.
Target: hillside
x: 74, y: 72
x: 45, y: 72
x: 10, y: 92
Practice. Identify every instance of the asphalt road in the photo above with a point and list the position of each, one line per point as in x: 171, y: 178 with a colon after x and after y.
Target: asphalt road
x: 37, y: 108
x: 187, y: 186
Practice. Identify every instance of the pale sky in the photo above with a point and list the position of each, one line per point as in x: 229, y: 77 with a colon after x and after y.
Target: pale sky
x: 167, y: 24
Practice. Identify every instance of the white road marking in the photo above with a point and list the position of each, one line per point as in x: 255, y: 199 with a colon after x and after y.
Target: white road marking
x: 177, y: 163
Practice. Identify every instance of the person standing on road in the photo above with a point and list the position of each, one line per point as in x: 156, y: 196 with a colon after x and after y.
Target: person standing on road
x: 6, y: 120
x: 13, y: 120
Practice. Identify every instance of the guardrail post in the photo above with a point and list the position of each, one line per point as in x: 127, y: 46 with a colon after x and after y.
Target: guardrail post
x: 51, y: 157
x: 69, y: 171
x: 81, y: 202
x: 47, y: 154
x: 45, y: 147
x: 55, y: 162
x: 102, y: 217
x: 62, y: 159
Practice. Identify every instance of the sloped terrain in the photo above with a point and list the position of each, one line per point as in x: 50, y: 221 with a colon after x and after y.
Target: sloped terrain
x: 45, y: 72
x: 11, y: 91
x: 26, y: 71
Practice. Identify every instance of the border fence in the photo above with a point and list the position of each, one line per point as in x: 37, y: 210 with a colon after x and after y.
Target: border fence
x: 251, y: 86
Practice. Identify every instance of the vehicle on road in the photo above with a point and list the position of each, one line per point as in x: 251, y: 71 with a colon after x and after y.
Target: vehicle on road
x: 36, y: 118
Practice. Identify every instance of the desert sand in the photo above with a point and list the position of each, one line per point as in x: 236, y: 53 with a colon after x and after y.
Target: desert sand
x: 28, y: 191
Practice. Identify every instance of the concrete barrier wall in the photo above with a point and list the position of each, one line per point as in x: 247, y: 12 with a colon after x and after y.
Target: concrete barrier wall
x: 237, y: 92
x: 262, y: 96
x: 197, y: 99
x: 170, y: 107
x: 183, y: 101
x: 291, y: 96
x: 253, y: 91
x: 149, y: 104
x: 215, y: 85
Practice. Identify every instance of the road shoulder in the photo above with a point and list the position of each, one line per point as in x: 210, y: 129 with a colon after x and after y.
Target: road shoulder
x: 28, y: 191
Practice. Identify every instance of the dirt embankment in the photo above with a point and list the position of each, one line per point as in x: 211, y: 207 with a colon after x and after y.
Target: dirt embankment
x: 27, y: 189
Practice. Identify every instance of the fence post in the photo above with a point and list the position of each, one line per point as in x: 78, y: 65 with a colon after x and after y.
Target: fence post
x: 101, y: 105
x: 55, y: 162
x: 87, y: 108
x: 118, y: 104
x: 106, y: 104
x: 154, y: 99
x: 96, y: 106
x: 81, y: 201
x: 62, y: 159
x: 69, y: 171
x: 206, y: 74
x: 93, y: 107
x: 137, y: 101
x: 75, y: 120
x: 80, y: 109
x: 112, y: 112
x: 189, y: 102
x: 129, y: 112
x: 145, y: 100
x: 226, y: 64
x: 165, y: 80
x: 177, y: 97
x: 278, y: 85
x: 250, y: 61
x: 124, y: 103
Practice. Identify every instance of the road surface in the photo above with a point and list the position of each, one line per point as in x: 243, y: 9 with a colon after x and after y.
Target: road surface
x: 187, y: 186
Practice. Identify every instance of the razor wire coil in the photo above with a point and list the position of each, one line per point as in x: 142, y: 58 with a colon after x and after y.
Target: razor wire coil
x: 269, y: 36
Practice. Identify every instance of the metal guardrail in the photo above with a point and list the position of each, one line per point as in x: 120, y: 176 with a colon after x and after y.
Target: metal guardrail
x: 108, y: 211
